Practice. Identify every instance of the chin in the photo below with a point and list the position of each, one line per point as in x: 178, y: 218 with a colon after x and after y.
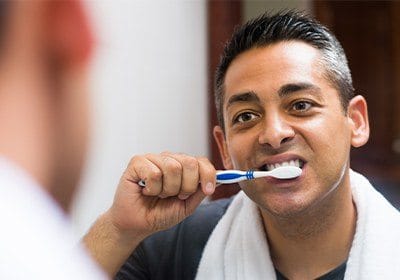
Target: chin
x: 284, y: 207
x: 66, y: 178
x: 287, y: 211
x: 63, y: 194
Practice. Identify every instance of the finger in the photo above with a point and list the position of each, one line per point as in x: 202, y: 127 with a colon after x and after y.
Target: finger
x: 171, y: 174
x: 194, y: 201
x: 190, y: 174
x: 207, y: 175
x: 141, y: 167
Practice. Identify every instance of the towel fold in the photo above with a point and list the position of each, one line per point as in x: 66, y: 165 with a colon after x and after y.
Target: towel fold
x: 238, y: 248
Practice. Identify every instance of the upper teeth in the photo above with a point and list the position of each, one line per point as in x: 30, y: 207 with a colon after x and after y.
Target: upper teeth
x: 285, y: 163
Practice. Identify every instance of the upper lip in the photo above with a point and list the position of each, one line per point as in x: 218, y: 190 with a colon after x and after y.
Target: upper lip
x: 279, y: 159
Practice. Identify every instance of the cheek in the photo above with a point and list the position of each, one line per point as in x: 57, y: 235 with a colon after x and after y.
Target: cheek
x: 329, y: 140
x: 329, y: 132
x: 241, y: 149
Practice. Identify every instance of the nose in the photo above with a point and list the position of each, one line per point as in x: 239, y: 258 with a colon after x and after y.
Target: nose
x: 276, y: 131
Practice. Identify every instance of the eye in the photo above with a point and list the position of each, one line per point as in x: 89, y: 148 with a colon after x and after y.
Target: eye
x: 245, y: 117
x: 301, y: 106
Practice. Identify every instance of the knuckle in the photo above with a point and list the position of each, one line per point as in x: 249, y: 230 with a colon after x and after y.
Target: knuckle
x: 203, y: 159
x: 134, y: 159
x: 165, y: 153
x: 174, y: 168
x: 181, y: 155
x: 155, y: 175
x: 191, y: 163
x: 200, y: 158
x: 148, y: 155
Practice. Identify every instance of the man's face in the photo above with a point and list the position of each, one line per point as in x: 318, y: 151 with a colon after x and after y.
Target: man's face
x: 280, y: 109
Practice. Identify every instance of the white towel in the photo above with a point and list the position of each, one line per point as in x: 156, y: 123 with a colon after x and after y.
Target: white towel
x: 238, y: 249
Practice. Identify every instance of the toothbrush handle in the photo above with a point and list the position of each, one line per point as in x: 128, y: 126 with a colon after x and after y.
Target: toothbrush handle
x: 226, y: 176
x: 233, y: 176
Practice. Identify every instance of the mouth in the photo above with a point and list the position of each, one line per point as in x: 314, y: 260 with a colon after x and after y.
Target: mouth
x: 293, y: 162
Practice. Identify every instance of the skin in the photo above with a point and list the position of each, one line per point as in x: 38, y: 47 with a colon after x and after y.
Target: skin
x: 278, y: 106
x: 292, y: 112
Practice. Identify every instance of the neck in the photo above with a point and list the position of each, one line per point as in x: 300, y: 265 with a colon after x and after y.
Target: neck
x: 313, y: 243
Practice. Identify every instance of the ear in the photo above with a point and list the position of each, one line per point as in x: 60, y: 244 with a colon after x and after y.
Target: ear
x: 219, y: 137
x: 357, y: 113
x: 69, y: 32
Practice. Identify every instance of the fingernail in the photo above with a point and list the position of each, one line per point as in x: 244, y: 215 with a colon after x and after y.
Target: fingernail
x: 183, y: 196
x: 209, y: 188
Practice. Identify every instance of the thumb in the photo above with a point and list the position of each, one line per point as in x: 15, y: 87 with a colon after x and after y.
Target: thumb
x: 194, y: 201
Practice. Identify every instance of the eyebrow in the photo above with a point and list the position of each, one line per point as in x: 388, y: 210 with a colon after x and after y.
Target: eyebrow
x: 243, y: 97
x: 295, y: 87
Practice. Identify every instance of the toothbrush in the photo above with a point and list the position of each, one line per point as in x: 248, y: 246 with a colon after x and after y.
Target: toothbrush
x: 234, y: 176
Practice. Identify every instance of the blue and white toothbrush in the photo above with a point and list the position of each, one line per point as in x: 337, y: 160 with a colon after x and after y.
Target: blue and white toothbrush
x: 234, y: 176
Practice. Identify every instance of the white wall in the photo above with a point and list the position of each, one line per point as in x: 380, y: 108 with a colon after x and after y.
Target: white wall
x: 149, y: 91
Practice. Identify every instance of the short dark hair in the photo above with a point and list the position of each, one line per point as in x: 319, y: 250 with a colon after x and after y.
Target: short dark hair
x: 286, y: 26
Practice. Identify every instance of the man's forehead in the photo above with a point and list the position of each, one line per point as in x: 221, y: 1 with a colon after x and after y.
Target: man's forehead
x: 272, y: 67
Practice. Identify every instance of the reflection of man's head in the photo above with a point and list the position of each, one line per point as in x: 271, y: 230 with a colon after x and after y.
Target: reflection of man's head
x: 44, y: 51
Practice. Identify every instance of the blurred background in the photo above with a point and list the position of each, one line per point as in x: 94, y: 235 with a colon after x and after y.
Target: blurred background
x: 149, y: 91
x: 151, y: 84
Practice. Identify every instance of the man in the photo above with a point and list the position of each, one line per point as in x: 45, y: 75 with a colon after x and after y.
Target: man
x: 45, y: 47
x: 284, y: 96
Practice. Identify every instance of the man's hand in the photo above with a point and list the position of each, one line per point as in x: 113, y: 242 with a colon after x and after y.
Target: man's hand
x: 172, y: 191
x: 175, y: 186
